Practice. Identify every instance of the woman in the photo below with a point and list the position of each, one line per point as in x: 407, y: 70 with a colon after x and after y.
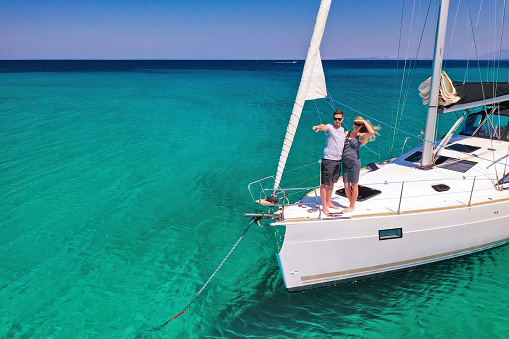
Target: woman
x: 362, y: 133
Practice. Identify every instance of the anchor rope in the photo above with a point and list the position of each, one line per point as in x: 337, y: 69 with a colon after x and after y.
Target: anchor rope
x: 158, y: 328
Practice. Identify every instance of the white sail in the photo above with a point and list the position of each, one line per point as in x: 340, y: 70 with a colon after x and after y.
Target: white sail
x: 312, y: 86
x: 317, y: 88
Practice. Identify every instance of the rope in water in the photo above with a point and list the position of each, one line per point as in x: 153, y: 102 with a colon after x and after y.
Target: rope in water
x: 158, y: 328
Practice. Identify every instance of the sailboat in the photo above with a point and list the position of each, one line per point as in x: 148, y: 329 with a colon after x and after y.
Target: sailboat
x: 438, y: 201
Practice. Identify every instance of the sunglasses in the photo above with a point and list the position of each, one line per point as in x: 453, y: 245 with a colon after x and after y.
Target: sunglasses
x: 358, y: 123
x: 338, y: 119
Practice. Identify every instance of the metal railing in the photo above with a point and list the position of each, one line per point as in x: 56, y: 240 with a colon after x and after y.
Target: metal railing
x: 284, y: 202
x: 282, y: 195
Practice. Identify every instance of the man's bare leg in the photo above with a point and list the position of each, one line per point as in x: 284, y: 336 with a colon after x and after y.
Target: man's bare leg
x: 330, y: 190
x: 323, y: 196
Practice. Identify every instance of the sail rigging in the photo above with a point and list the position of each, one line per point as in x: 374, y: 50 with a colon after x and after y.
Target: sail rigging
x: 312, y: 86
x: 429, y: 134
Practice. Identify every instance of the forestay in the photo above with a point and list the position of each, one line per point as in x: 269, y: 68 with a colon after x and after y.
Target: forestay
x: 312, y: 86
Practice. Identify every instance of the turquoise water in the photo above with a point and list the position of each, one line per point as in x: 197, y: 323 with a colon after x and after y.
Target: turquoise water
x: 123, y: 187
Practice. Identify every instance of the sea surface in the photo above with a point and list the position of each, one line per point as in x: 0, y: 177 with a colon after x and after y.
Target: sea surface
x: 122, y: 188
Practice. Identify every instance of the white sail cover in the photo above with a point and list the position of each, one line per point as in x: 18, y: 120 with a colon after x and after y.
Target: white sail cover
x: 447, y: 93
x: 312, y: 86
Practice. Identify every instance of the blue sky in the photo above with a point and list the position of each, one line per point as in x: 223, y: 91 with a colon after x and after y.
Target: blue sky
x: 223, y: 29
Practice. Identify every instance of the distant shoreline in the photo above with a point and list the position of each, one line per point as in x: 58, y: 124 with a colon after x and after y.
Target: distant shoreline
x: 165, y: 66
x: 250, y: 60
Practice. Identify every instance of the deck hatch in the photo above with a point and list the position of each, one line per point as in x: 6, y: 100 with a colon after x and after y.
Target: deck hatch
x: 440, y: 187
x: 463, y: 148
x: 365, y: 193
x: 458, y: 165
x: 446, y: 162
x: 414, y: 157
x: 394, y: 233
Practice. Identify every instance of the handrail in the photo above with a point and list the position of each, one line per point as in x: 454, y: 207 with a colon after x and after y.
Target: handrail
x: 285, y: 203
x: 471, y: 193
x: 400, y: 198
x: 259, y: 181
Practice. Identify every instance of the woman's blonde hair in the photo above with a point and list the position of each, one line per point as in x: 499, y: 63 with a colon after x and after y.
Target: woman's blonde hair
x: 364, y: 129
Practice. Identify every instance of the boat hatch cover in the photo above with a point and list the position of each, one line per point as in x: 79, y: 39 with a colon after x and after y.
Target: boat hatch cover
x: 463, y: 148
x: 446, y: 162
x: 365, y: 193
x: 441, y: 187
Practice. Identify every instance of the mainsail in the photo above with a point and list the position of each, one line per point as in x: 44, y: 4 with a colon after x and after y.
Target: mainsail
x: 312, y: 86
x: 455, y: 95
x: 447, y: 92
x: 474, y: 94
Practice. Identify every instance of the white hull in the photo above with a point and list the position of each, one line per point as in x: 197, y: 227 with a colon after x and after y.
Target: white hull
x: 328, y: 252
x: 467, y: 218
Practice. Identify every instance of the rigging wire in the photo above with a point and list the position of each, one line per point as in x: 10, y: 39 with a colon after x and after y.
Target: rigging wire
x: 294, y: 169
x: 404, y: 72
x: 415, y: 136
x: 397, y: 123
x: 397, y: 63
x: 475, y: 44
x: 318, y: 112
x: 452, y: 30
x: 501, y: 39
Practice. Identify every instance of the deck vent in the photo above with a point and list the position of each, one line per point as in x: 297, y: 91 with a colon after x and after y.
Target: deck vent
x: 441, y: 187
x: 365, y: 193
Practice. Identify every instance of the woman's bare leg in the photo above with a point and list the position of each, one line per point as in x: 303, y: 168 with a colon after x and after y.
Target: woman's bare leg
x: 352, y: 192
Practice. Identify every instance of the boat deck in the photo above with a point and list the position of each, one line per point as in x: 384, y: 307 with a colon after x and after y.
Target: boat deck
x: 405, y: 188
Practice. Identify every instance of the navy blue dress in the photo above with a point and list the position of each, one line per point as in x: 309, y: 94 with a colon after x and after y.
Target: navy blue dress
x: 351, y: 159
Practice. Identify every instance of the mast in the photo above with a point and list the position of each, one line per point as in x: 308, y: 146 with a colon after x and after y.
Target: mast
x: 429, y: 135
x: 312, y: 86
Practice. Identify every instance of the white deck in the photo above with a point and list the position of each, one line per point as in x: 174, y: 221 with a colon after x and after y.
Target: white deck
x: 418, y: 194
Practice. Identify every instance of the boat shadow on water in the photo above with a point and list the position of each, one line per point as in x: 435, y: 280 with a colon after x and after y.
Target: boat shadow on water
x: 412, y: 298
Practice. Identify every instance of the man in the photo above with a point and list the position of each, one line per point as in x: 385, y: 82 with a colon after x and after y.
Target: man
x: 331, y: 162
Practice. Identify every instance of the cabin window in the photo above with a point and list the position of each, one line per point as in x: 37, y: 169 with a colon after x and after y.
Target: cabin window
x: 471, y: 124
x: 494, y: 127
x: 394, y: 233
x: 504, y: 180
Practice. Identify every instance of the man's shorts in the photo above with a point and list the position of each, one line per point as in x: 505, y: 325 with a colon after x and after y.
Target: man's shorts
x: 331, y: 169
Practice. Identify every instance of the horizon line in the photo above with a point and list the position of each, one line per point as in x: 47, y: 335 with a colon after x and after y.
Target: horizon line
x: 294, y: 60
